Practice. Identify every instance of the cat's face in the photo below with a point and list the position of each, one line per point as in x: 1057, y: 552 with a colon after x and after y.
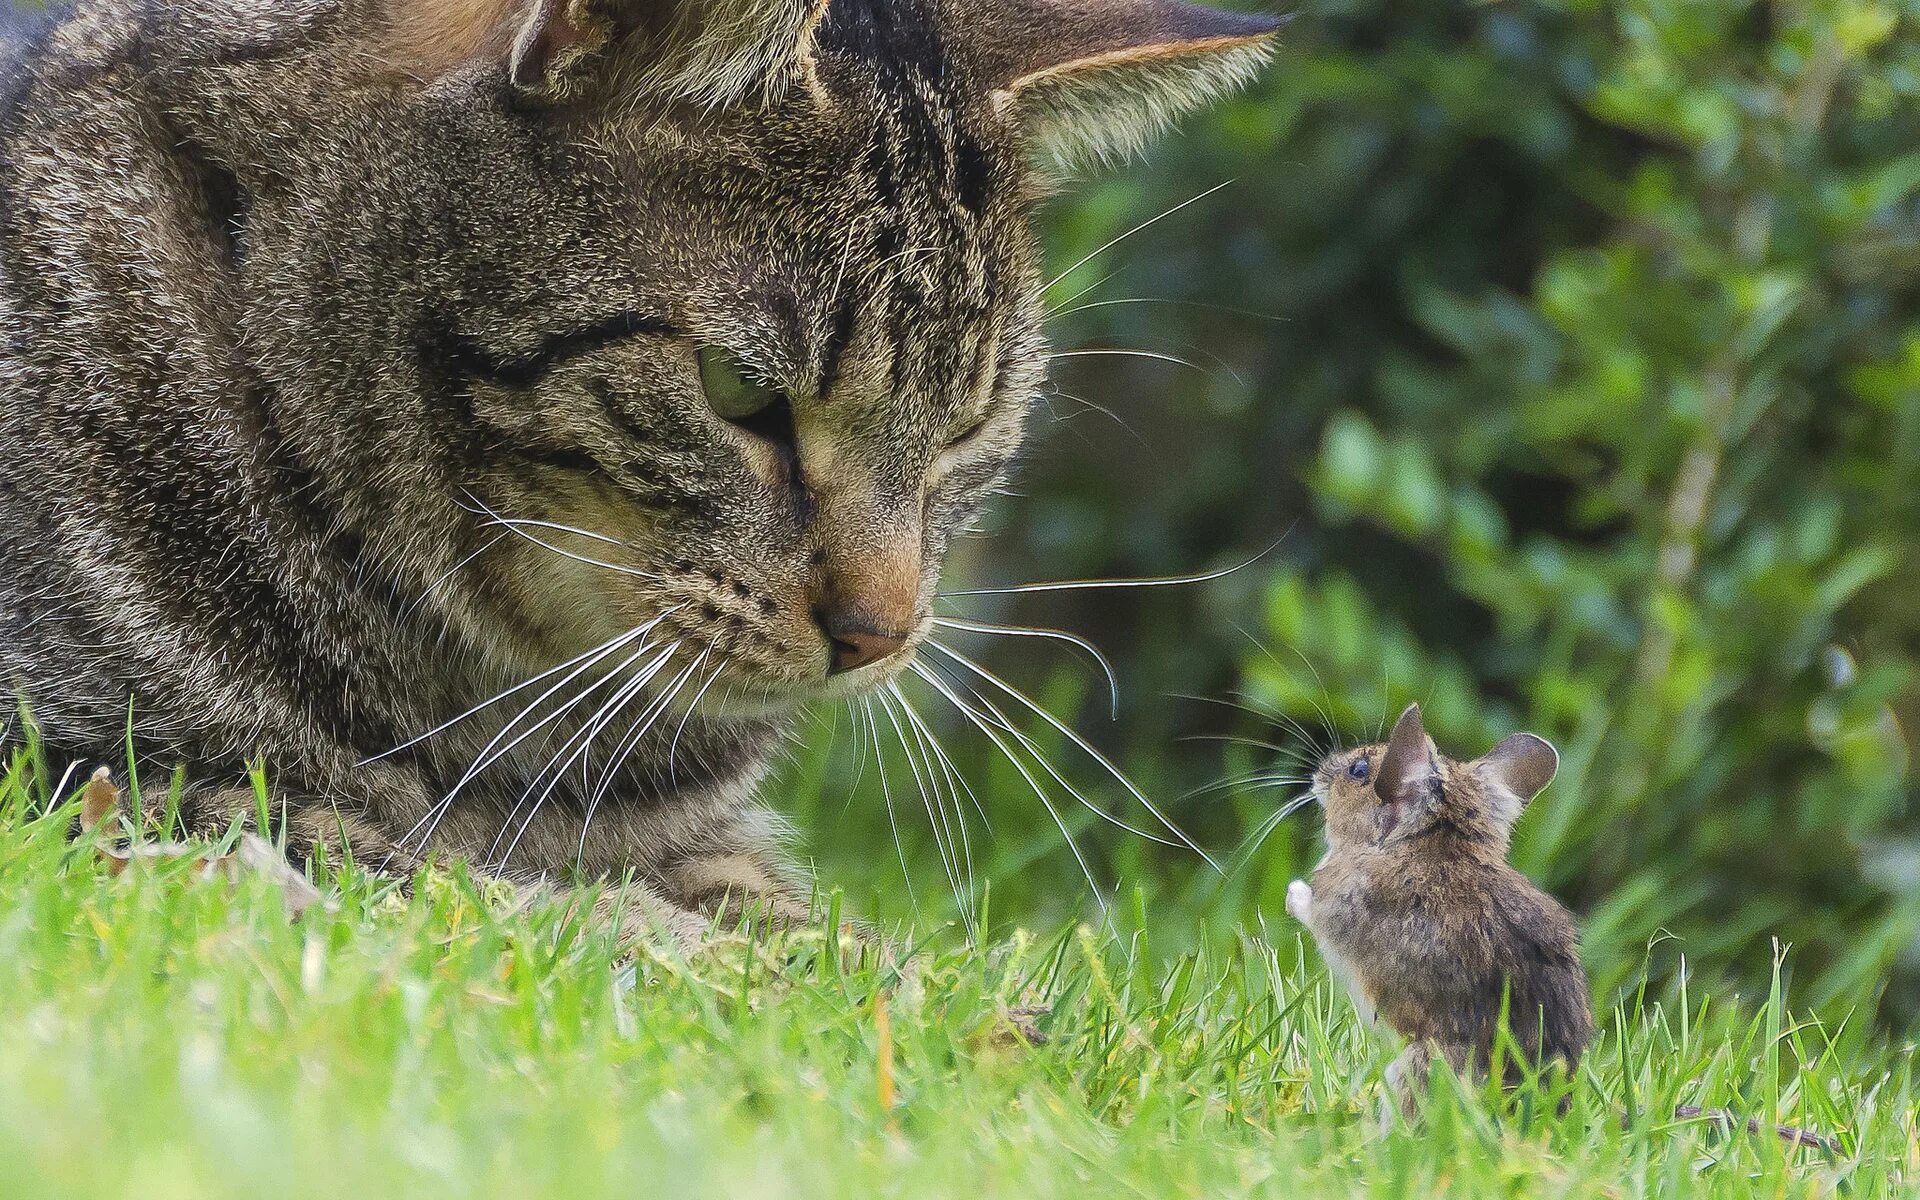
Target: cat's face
x: 754, y: 366
x: 827, y: 371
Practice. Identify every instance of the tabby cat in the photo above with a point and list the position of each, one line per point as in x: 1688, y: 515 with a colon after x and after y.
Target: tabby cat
x: 365, y: 359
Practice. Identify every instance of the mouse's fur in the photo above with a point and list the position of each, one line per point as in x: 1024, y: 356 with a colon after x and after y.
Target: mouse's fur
x: 1417, y: 910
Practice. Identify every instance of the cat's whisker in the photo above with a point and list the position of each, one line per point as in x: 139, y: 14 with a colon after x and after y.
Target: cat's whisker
x: 1088, y: 585
x: 1093, y: 287
x: 598, y: 652
x: 713, y: 677
x: 933, y: 680
x: 1090, y: 406
x: 936, y: 820
x: 1063, y: 313
x: 429, y: 822
x: 1142, y: 226
x: 1127, y: 352
x: 1085, y: 746
x: 994, y: 713
x: 518, y: 527
x: 954, y: 774
x: 1055, y: 635
x: 452, y: 571
x: 886, y: 795
x: 630, y: 741
x: 576, y: 746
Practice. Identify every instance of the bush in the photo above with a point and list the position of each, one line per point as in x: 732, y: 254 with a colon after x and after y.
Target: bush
x: 1580, y: 358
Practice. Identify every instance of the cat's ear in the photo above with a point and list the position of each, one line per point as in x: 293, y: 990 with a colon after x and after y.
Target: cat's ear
x: 1522, y: 764
x: 1096, y: 80
x: 710, y: 52
x: 1410, y: 763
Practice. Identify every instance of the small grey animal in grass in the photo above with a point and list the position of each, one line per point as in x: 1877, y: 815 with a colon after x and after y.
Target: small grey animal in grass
x: 1418, y: 913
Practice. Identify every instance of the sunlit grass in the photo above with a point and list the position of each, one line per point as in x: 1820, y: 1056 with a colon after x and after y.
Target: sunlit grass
x: 162, y: 1037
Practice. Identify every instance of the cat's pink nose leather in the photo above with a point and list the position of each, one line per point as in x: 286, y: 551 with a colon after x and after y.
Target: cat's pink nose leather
x: 857, y: 642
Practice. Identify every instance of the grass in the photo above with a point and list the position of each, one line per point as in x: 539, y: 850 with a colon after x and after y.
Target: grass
x: 162, y: 1037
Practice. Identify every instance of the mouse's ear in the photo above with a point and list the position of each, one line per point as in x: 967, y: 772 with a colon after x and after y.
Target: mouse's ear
x: 1523, y: 764
x: 1407, y: 770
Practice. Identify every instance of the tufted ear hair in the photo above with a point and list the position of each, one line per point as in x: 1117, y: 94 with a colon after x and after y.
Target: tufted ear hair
x: 1096, y: 80
x: 709, y: 52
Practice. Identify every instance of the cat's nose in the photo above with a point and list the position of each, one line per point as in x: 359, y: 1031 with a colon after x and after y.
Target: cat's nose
x: 857, y: 640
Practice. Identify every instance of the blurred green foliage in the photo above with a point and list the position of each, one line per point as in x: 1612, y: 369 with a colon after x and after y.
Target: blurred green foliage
x: 1573, y: 346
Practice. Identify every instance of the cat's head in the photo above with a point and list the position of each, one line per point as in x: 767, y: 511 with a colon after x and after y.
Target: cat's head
x: 756, y: 327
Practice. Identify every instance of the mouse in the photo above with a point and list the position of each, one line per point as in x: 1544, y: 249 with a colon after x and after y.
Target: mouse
x: 1417, y: 911
x: 1419, y: 914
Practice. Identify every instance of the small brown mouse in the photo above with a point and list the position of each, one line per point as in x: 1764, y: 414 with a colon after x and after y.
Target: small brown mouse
x: 1418, y: 913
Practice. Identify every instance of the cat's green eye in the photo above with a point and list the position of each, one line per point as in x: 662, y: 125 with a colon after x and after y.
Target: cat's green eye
x: 729, y: 391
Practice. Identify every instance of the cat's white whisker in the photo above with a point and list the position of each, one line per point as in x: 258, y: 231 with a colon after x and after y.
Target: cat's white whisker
x: 1127, y: 352
x: 886, y: 794
x: 1089, y: 585
x: 1085, y: 746
x: 630, y: 741
x: 939, y: 685
x: 598, y: 652
x: 931, y: 802
x: 1142, y: 226
x: 994, y: 713
x: 1055, y: 635
x: 581, y: 744
x: 518, y: 527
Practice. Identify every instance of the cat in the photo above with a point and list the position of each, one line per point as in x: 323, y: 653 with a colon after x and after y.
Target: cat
x: 365, y: 359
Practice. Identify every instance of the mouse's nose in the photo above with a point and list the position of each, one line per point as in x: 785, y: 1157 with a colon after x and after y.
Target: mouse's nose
x: 857, y: 640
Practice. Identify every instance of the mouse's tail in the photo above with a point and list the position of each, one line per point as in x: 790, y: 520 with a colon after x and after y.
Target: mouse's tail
x: 1732, y: 1120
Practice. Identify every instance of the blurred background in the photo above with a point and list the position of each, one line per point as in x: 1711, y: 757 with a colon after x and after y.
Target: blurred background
x: 1569, y: 354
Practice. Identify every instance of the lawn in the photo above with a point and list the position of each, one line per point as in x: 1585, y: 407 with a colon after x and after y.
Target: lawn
x: 164, y: 1037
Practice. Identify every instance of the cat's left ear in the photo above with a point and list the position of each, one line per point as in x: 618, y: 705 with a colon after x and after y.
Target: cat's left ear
x: 710, y: 52
x: 1096, y: 80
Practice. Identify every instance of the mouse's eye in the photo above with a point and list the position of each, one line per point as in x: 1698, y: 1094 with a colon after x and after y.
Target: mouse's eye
x: 1358, y: 769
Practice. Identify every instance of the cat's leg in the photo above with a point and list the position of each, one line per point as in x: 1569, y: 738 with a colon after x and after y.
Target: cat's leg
x: 739, y: 873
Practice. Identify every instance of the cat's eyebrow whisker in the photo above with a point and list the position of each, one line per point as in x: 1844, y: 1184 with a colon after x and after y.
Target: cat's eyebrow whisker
x: 1085, y: 746
x: 1063, y: 313
x: 1088, y: 585
x: 1127, y: 352
x: 1144, y: 225
x: 1036, y: 631
x: 518, y: 527
x: 1005, y: 724
x: 1046, y: 801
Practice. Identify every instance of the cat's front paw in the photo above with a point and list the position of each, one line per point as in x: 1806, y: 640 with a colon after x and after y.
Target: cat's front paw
x: 1299, y: 900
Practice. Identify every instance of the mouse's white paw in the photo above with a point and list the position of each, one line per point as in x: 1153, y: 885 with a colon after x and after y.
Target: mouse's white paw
x: 1299, y: 900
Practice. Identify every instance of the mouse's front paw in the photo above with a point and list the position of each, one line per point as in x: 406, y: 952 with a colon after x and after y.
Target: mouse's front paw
x: 1299, y: 900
